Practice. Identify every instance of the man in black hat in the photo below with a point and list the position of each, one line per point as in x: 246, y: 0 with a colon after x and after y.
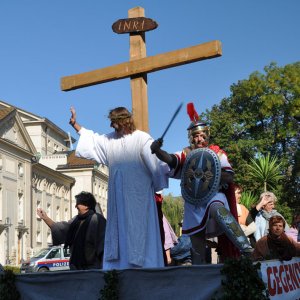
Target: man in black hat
x: 84, y: 234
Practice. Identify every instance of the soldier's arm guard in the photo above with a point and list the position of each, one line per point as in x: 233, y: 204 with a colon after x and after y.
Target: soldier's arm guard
x: 164, y: 156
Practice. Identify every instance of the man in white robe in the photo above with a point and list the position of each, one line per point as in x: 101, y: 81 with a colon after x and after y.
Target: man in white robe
x: 132, y: 237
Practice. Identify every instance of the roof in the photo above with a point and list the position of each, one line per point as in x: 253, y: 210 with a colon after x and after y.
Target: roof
x: 5, y: 112
x: 36, y: 118
x: 77, y: 162
x: 74, y: 161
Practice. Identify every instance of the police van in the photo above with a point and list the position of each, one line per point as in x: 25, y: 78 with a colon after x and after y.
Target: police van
x: 54, y: 258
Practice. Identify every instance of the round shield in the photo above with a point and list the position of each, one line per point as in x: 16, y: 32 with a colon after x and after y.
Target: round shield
x: 200, y: 176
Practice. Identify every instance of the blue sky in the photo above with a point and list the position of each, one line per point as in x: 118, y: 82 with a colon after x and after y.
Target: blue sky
x: 42, y: 41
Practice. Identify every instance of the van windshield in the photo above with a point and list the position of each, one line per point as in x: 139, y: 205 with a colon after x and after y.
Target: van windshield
x: 41, y: 253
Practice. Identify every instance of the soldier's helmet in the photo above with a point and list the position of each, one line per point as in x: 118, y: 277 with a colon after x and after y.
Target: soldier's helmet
x: 197, y: 125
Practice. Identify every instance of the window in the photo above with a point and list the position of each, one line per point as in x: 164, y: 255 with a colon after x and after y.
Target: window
x: 38, y: 205
x: 48, y: 209
x: 66, y: 214
x: 20, y: 208
x: 55, y: 253
x: 38, y: 237
x: 67, y: 252
x: 57, y: 214
x: 49, y: 238
x: 20, y: 169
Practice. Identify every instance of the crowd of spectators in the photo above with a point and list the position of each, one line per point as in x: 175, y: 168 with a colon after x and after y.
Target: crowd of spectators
x: 269, y: 234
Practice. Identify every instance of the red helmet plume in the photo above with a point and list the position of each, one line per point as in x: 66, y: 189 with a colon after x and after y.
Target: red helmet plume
x: 194, y: 117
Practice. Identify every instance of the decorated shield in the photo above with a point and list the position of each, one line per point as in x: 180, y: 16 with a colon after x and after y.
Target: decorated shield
x: 200, y: 176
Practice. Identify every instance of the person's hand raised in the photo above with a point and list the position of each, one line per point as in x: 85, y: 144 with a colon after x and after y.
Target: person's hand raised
x: 264, y: 201
x: 156, y: 145
x: 41, y: 213
x: 73, y: 116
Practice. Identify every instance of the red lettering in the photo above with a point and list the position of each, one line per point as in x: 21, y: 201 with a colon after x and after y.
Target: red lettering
x: 297, y: 271
x: 279, y: 288
x: 288, y: 277
x: 293, y: 277
x: 283, y: 278
x: 271, y: 283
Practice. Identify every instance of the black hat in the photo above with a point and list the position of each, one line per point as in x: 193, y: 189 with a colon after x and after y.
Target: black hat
x: 87, y: 199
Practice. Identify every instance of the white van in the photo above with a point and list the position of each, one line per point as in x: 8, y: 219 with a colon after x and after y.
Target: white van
x: 54, y: 258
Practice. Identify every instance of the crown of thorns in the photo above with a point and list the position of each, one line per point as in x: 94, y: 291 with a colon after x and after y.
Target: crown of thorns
x: 120, y: 117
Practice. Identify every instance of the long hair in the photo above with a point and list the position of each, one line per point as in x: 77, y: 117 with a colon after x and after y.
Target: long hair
x: 123, y: 118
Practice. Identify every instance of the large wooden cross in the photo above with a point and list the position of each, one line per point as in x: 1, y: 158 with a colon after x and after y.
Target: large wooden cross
x: 139, y: 65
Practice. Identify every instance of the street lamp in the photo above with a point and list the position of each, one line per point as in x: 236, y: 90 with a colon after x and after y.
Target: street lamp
x: 7, y: 225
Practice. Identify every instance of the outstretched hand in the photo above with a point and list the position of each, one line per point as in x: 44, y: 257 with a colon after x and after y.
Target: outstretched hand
x: 41, y: 213
x: 73, y: 116
x: 156, y: 145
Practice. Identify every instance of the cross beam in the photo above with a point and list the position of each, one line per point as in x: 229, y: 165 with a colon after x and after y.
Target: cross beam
x: 144, y: 65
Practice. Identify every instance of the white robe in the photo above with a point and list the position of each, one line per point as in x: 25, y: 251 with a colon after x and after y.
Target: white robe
x: 132, y: 231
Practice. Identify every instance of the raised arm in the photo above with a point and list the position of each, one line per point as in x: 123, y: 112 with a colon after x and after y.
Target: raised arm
x: 42, y: 214
x: 162, y: 155
x: 73, y: 121
x: 263, y: 202
x: 254, y: 210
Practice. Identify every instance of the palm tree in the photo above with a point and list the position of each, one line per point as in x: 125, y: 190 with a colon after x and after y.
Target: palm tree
x: 266, y: 171
x: 248, y: 199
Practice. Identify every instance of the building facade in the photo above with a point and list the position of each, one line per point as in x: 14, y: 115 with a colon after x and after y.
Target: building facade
x: 37, y: 169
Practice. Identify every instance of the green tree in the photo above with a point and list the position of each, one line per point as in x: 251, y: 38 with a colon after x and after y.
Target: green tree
x: 173, y: 210
x: 266, y: 171
x: 259, y: 117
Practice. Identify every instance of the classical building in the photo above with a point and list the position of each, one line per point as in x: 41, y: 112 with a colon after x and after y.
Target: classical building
x: 38, y: 169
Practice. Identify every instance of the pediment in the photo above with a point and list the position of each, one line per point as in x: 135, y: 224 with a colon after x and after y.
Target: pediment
x: 25, y: 116
x: 13, y: 130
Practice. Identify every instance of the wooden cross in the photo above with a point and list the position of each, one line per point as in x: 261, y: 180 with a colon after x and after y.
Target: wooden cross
x: 140, y: 65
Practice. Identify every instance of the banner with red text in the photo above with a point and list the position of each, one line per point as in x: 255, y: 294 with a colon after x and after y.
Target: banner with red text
x: 282, y: 278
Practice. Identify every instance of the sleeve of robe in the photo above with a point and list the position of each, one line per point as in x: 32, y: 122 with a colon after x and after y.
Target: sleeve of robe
x: 250, y: 225
x: 92, y: 146
x: 59, y: 232
x: 96, y: 235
